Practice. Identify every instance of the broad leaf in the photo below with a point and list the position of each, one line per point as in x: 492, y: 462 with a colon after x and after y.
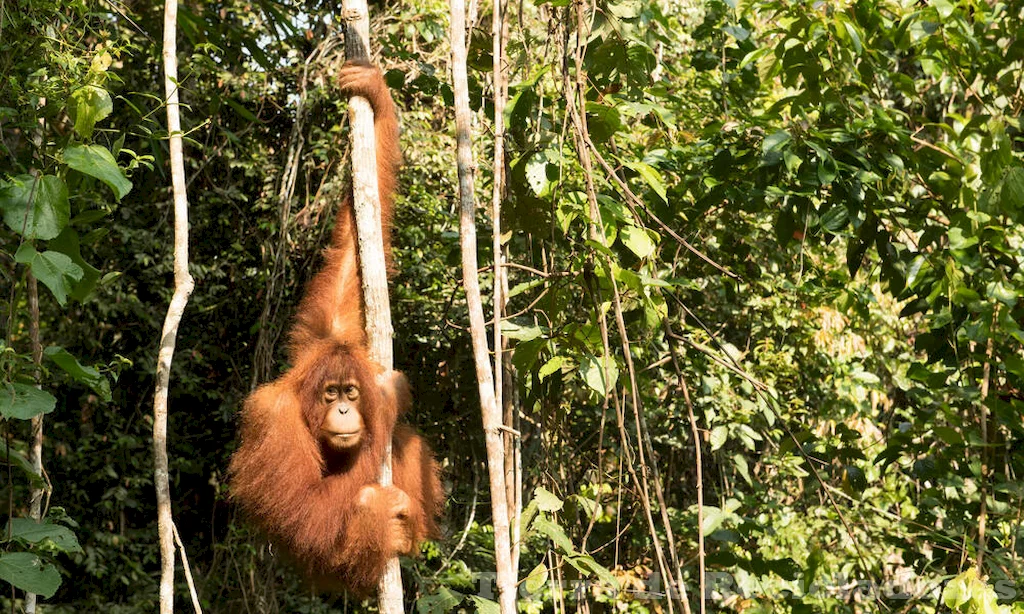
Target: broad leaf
x: 96, y: 161
x: 485, y: 606
x: 34, y: 532
x: 592, y: 370
x: 67, y: 243
x: 35, y: 208
x: 90, y: 105
x: 443, y: 601
x: 1011, y: 196
x: 651, y: 176
x: 537, y: 578
x: 54, y: 269
x: 637, y: 240
x: 547, y: 501
x: 24, y: 401
x: 28, y: 572
x: 78, y: 372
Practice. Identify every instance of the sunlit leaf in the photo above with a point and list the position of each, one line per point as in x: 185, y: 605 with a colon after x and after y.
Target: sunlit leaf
x: 91, y: 104
x: 96, y: 161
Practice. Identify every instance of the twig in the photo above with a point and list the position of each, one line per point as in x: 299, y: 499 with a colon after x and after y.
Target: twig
x: 698, y: 463
x: 188, y: 571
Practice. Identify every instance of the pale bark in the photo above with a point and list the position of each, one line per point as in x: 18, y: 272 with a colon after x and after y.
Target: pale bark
x: 503, y: 379
x: 35, y: 450
x: 183, y: 285
x: 490, y: 411
x: 366, y: 201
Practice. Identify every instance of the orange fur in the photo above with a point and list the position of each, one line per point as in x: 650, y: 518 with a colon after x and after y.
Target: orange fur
x: 324, y: 507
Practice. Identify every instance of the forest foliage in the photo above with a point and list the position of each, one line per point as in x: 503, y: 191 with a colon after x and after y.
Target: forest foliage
x: 808, y: 252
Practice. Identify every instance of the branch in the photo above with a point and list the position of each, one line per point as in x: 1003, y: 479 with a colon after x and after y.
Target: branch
x: 491, y: 413
x: 376, y: 303
x: 35, y: 450
x: 183, y: 285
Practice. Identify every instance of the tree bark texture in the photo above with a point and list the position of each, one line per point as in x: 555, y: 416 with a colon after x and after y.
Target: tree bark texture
x: 491, y: 412
x: 366, y: 202
x: 183, y: 285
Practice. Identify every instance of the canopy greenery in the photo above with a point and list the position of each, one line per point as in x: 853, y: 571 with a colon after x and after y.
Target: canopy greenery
x: 808, y: 251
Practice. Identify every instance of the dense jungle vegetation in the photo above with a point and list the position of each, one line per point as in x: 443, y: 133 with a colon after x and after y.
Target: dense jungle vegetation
x: 784, y: 359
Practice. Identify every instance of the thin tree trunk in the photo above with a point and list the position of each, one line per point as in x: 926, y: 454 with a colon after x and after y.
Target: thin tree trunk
x: 490, y: 411
x: 35, y: 450
x: 183, y: 285
x: 503, y: 379
x: 377, y: 307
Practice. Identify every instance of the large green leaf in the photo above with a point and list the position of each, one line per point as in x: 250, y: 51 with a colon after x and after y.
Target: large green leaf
x: 24, y: 401
x: 54, y: 269
x: 36, y: 208
x: 68, y: 244
x: 484, y: 605
x: 98, y: 162
x: 443, y: 601
x: 547, y: 501
x: 1011, y: 196
x: 90, y: 105
x: 34, y: 532
x: 536, y: 578
x: 78, y: 372
x: 637, y: 240
x: 651, y: 176
x: 592, y: 370
x: 29, y: 573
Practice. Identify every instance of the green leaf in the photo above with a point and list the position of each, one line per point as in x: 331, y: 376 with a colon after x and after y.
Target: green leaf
x: 28, y: 572
x: 719, y: 435
x: 592, y: 370
x: 34, y: 532
x: 245, y: 114
x: 485, y: 606
x: 603, y: 121
x: 959, y: 241
x: 537, y: 174
x: 55, y: 270
x: 738, y: 32
x: 637, y: 240
x: 24, y: 401
x: 555, y: 533
x: 958, y: 590
x: 522, y: 333
x: 650, y: 175
x: 713, y: 518
x: 90, y: 105
x: 17, y: 458
x: 35, y: 208
x: 537, y: 578
x: 547, y: 501
x: 774, y: 141
x: 851, y: 31
x: 835, y: 219
x: 1011, y: 196
x: 67, y: 243
x: 96, y: 161
x: 81, y: 374
x: 551, y: 366
x: 441, y: 602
